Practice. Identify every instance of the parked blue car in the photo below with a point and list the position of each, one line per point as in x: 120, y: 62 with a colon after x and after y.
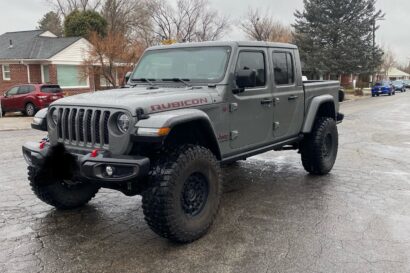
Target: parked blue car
x: 383, y: 88
x: 399, y: 86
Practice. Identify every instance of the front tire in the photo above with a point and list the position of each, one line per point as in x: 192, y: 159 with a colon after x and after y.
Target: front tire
x: 319, y: 148
x: 184, y: 194
x: 60, y: 194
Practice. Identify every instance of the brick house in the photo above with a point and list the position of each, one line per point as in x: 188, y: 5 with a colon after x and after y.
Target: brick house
x: 39, y: 56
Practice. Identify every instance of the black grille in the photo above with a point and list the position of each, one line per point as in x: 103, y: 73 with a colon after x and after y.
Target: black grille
x: 83, y: 127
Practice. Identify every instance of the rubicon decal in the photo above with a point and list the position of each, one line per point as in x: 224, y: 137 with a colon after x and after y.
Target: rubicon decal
x: 178, y: 104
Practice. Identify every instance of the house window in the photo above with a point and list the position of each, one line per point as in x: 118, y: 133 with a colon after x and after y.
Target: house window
x: 70, y: 76
x: 104, y: 82
x: 45, y: 73
x: 6, y: 72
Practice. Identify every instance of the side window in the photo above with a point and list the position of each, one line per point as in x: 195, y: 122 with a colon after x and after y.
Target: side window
x: 25, y: 89
x: 13, y: 91
x: 249, y: 60
x: 283, y: 68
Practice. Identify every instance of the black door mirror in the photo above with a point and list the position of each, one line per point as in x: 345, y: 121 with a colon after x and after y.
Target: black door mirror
x: 245, y: 78
x: 127, y: 76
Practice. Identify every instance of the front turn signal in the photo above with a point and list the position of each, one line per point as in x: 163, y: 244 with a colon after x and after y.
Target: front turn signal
x: 152, y: 132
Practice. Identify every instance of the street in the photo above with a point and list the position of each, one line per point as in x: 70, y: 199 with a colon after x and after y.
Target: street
x: 274, y: 217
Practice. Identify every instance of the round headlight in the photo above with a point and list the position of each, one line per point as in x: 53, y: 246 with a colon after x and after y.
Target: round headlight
x: 54, y: 116
x: 123, y: 123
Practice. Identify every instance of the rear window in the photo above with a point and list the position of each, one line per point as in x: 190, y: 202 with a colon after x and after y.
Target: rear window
x: 51, y: 89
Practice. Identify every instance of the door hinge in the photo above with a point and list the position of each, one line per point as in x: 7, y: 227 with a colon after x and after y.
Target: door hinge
x: 234, y: 135
x: 276, y: 101
x: 233, y: 107
x: 276, y: 125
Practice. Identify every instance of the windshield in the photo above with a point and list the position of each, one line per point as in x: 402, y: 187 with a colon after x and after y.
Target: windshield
x: 195, y: 64
x: 397, y: 82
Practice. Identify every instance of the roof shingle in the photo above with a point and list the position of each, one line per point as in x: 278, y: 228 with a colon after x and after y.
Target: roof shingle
x: 30, y: 45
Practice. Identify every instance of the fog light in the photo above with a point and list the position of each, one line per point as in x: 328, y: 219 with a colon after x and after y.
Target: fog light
x: 109, y: 170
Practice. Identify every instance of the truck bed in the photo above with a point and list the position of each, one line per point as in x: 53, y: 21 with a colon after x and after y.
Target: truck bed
x: 316, y: 88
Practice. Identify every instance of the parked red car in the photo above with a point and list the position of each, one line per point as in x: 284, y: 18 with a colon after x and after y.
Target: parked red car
x: 29, y: 98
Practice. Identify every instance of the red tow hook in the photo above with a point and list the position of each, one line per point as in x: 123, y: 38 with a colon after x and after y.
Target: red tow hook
x: 94, y: 153
x: 42, y: 144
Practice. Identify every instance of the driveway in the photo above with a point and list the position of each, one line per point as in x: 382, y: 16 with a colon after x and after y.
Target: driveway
x: 15, y: 122
x: 273, y: 218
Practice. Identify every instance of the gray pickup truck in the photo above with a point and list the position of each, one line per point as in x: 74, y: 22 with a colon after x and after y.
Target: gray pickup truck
x: 190, y: 108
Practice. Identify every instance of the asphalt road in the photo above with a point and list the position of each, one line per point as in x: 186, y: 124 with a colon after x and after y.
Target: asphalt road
x: 273, y: 218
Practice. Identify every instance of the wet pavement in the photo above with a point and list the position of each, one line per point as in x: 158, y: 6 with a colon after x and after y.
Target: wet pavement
x: 273, y: 217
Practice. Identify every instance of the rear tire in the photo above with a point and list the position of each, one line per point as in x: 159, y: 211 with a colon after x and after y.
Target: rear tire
x: 184, y: 194
x: 319, y: 148
x: 60, y: 194
x: 30, y: 109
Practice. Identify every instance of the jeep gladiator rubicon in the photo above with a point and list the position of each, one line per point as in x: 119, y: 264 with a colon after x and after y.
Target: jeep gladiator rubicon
x: 189, y: 109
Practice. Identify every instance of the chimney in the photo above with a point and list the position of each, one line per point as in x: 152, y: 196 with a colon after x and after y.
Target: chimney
x: 11, y: 44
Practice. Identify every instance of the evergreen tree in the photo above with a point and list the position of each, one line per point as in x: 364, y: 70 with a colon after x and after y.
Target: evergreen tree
x: 51, y: 22
x: 83, y: 23
x: 336, y: 36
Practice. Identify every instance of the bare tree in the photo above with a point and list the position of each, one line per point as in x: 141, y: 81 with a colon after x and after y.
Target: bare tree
x: 263, y: 28
x: 125, y: 15
x: 190, y: 20
x: 111, y: 54
x: 65, y: 7
x: 389, y: 61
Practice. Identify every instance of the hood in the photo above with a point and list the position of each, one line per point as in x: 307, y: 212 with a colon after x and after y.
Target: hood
x: 155, y: 100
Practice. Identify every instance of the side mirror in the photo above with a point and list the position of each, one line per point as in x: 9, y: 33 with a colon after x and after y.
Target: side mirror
x: 127, y: 76
x: 245, y: 78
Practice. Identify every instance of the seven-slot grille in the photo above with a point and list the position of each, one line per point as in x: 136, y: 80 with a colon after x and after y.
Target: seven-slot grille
x: 83, y: 127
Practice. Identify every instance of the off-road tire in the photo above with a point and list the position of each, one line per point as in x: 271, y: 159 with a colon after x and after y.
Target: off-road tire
x: 60, y: 195
x: 318, y: 155
x: 29, y: 110
x: 163, y: 202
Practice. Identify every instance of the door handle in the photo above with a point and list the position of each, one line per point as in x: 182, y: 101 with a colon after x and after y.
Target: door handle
x: 294, y: 97
x: 267, y: 101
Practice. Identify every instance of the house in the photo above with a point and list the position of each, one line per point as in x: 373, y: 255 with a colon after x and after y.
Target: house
x: 39, y: 56
x: 396, y: 74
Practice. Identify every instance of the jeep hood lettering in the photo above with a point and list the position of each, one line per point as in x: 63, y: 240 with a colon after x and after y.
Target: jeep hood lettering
x: 156, y: 100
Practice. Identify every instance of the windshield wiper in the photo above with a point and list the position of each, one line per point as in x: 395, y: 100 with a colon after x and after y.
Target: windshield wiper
x: 184, y: 81
x: 149, y: 81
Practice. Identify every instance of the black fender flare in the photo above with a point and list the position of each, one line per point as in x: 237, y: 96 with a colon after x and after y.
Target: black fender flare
x: 171, y: 119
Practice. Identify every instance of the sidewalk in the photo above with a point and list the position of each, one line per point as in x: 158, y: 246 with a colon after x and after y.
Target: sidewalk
x: 13, y: 123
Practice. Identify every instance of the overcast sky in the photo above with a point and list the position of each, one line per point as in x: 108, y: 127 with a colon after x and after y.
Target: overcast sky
x: 394, y: 32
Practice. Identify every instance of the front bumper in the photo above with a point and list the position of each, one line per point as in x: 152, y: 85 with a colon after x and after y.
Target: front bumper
x: 89, y: 166
x: 381, y: 92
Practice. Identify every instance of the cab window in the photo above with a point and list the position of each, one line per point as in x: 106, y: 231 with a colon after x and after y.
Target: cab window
x: 253, y: 60
x: 284, y: 71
